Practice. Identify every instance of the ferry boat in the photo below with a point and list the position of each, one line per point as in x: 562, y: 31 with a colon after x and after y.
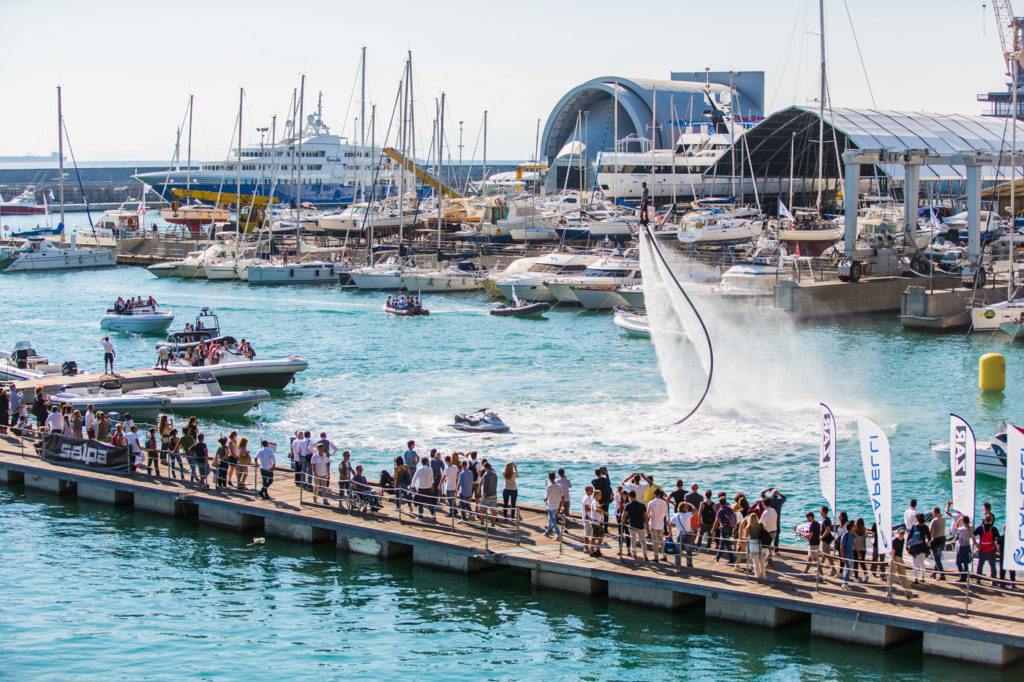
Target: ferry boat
x: 333, y: 172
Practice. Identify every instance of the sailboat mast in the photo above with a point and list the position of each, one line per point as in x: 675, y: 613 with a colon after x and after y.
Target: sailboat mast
x: 362, y: 125
x: 615, y: 146
x: 60, y: 153
x: 238, y: 173
x: 298, y: 171
x: 188, y: 166
x: 1013, y: 160
x: 483, y: 178
x: 821, y: 105
x: 440, y: 169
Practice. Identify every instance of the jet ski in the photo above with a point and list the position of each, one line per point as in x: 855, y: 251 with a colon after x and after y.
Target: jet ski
x: 481, y: 421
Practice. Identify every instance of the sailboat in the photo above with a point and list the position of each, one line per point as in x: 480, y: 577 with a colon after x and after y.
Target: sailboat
x: 39, y: 253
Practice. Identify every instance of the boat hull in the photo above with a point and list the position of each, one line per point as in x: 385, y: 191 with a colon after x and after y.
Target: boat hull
x: 439, y: 283
x: 64, y: 260
x: 600, y: 299
x: 532, y: 310
x: 296, y: 274
x: 137, y: 324
x: 222, y: 405
x: 377, y: 281
x: 271, y: 375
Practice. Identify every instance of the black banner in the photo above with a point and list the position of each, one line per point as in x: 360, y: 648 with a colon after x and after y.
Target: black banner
x: 83, y: 452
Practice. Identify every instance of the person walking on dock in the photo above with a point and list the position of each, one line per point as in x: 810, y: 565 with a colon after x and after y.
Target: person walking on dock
x: 465, y: 491
x: 422, y: 485
x: 657, y: 518
x: 964, y: 533
x: 938, y: 530
x: 827, y: 538
x: 553, y: 503
x: 108, y: 355
x: 403, y: 478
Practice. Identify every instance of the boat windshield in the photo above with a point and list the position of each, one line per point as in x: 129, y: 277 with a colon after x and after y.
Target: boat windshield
x: 547, y: 267
x: 603, y: 272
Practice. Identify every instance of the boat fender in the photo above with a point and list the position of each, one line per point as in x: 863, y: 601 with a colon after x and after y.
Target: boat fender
x: 291, y: 272
x: 992, y: 373
x: 497, y: 232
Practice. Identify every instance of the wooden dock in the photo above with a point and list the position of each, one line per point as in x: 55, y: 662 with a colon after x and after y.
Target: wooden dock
x: 130, y: 380
x: 991, y: 632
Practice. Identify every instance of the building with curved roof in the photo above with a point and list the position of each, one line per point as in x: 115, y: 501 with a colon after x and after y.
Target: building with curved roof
x: 647, y: 108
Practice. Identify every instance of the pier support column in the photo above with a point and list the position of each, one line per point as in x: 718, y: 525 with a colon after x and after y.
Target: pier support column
x: 453, y: 562
x: 580, y: 584
x: 297, y: 531
x: 226, y: 517
x: 103, y: 493
x: 850, y: 195
x: 382, y: 549
x: 168, y: 505
x: 720, y: 607
x: 852, y: 630
x: 654, y: 597
x: 11, y: 476
x: 49, y: 483
x: 972, y: 650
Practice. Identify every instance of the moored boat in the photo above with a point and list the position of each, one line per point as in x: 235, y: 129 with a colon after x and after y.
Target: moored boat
x: 632, y: 321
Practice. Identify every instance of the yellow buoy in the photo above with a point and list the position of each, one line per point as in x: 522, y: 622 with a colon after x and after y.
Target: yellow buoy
x: 992, y: 373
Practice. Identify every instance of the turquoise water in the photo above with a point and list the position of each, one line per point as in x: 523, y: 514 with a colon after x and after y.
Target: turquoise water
x: 576, y: 394
x: 99, y: 592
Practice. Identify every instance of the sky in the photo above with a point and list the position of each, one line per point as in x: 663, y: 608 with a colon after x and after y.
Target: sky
x: 128, y: 68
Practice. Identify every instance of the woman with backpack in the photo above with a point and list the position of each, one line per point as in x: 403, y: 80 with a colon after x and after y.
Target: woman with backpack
x: 919, y: 545
x: 725, y: 521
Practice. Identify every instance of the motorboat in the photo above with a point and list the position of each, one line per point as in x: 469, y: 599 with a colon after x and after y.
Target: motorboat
x: 633, y: 321
x: 204, y: 395
x: 633, y: 294
x: 719, y: 225
x: 530, y: 285
x: 405, y: 306
x: 610, y: 271
x: 756, y: 276
x: 109, y: 397
x: 164, y: 270
x: 515, y: 267
x: 481, y: 421
x: 520, y: 308
x: 23, y: 204
x: 461, y: 276
x: 23, y: 363
x: 146, y: 318
x: 599, y: 296
x: 989, y: 460
x: 38, y: 254
x: 194, y: 216
x: 205, y: 328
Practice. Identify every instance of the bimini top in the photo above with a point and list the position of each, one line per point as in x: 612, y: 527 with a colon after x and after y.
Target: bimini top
x: 793, y: 132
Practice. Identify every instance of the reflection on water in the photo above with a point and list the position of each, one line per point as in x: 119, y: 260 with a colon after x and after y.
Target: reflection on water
x: 94, y: 591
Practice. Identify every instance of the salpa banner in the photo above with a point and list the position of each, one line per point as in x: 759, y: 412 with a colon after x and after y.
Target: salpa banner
x: 877, y: 460
x: 963, y: 450
x: 84, y: 452
x: 1013, y: 551
x: 827, y: 457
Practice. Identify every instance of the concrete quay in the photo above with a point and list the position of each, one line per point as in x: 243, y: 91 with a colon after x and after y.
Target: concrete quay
x: 992, y: 633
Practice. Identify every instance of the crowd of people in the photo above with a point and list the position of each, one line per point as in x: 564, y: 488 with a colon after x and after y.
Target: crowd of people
x: 126, y: 306
x: 652, y: 523
x: 404, y: 302
x: 207, y: 353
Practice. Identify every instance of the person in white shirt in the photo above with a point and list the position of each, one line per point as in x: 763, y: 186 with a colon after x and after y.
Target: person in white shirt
x: 588, y: 503
x: 131, y: 440
x: 265, y: 460
x: 449, y: 483
x: 566, y: 485
x: 296, y: 457
x: 598, y: 519
x: 769, y: 522
x: 422, y: 486
x: 553, y: 503
x: 90, y: 421
x: 910, y: 516
x: 320, y: 463
x: 128, y: 422
x: 108, y: 355
x: 682, y: 525
x: 657, y: 515
x: 54, y: 421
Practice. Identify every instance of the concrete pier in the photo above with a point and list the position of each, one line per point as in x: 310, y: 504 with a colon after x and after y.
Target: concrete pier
x: 103, y: 493
x: 970, y: 650
x: 856, y: 631
x: 992, y: 634
x: 728, y: 607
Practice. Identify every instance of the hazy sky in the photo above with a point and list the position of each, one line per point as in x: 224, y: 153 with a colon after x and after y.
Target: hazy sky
x: 127, y: 67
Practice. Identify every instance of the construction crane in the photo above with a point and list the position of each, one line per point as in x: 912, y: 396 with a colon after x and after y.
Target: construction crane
x: 424, y: 177
x: 1009, y: 33
x: 252, y: 207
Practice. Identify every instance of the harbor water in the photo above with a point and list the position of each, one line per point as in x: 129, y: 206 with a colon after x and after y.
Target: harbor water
x: 127, y: 589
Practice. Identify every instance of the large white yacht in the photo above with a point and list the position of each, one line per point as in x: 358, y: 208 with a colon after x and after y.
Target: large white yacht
x: 608, y: 273
x: 530, y: 284
x: 719, y: 225
x: 461, y: 276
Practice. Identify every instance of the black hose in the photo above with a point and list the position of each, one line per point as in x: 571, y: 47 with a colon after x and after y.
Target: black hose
x: 707, y: 336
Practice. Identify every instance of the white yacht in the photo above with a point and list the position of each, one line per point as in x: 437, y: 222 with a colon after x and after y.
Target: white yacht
x: 461, y: 276
x: 530, y: 285
x: 147, y: 318
x: 41, y: 254
x: 633, y: 295
x: 987, y: 318
x: 386, y: 276
x: 609, y: 272
x: 755, y: 278
x: 714, y: 225
x: 303, y: 272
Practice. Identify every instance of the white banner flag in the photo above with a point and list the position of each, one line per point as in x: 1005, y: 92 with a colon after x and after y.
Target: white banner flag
x: 827, y: 457
x: 1013, y: 550
x: 875, y: 454
x: 962, y: 453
